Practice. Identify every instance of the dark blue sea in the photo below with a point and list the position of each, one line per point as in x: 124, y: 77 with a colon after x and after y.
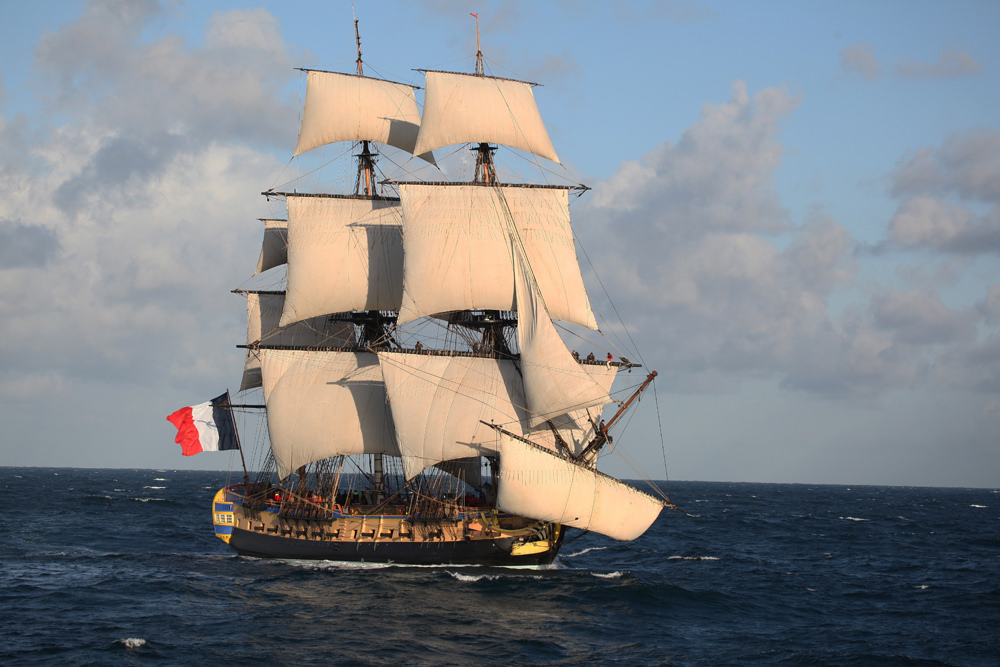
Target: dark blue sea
x: 121, y: 567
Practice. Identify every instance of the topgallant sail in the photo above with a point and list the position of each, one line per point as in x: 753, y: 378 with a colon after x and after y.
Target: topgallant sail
x: 479, y: 447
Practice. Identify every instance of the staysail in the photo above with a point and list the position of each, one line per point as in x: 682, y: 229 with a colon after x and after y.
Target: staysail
x: 457, y: 253
x: 554, y: 382
x: 344, y: 253
x: 537, y: 483
x: 467, y: 108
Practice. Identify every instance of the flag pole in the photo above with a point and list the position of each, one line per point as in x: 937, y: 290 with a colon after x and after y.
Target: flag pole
x: 239, y: 445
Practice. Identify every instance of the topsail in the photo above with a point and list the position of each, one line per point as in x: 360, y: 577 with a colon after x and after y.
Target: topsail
x: 346, y: 107
x: 457, y: 249
x: 465, y: 108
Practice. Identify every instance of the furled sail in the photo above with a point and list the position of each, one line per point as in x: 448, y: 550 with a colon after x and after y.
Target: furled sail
x: 554, y: 382
x: 457, y: 253
x: 272, y: 250
x: 347, y: 107
x: 467, y: 108
x: 344, y: 253
x: 537, y: 483
x: 323, y: 404
x: 439, y: 403
x: 263, y: 314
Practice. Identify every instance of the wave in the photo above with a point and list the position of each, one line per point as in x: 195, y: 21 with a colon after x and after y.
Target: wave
x: 474, y: 577
x: 131, y: 642
x: 471, y: 578
x: 333, y: 564
x: 607, y: 575
x: 585, y: 551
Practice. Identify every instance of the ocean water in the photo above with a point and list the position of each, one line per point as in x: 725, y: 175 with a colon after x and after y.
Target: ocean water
x: 120, y: 567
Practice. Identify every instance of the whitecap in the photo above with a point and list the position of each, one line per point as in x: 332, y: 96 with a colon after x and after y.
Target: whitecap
x: 607, y: 575
x: 692, y: 558
x: 585, y: 551
x: 979, y: 506
x: 131, y: 642
x: 852, y: 518
x: 474, y: 577
x: 159, y: 479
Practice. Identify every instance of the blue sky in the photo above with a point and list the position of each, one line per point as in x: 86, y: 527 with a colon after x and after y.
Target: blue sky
x: 795, y: 207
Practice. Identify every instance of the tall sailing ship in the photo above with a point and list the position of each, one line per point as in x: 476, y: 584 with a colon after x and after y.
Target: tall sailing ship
x: 475, y: 444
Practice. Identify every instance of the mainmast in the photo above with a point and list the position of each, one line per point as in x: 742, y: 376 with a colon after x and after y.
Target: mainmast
x: 365, y: 183
x: 492, y: 323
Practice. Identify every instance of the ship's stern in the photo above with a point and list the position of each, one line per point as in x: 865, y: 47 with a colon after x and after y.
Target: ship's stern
x: 223, y: 516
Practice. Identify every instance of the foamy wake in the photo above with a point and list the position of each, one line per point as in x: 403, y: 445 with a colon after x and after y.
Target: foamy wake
x: 461, y: 576
x: 338, y: 565
x: 131, y: 642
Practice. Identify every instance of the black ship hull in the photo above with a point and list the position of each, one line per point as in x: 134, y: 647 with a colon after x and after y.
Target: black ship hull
x: 477, y: 537
x: 471, y: 552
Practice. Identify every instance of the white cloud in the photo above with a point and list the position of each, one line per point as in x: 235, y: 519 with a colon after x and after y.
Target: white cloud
x: 950, y: 64
x: 130, y: 224
x: 990, y: 306
x: 966, y: 165
x: 859, y: 58
x: 920, y: 318
x: 937, y: 184
x: 31, y: 386
x: 726, y: 288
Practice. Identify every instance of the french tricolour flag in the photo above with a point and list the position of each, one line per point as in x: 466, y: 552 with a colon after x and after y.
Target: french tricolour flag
x: 207, y: 427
